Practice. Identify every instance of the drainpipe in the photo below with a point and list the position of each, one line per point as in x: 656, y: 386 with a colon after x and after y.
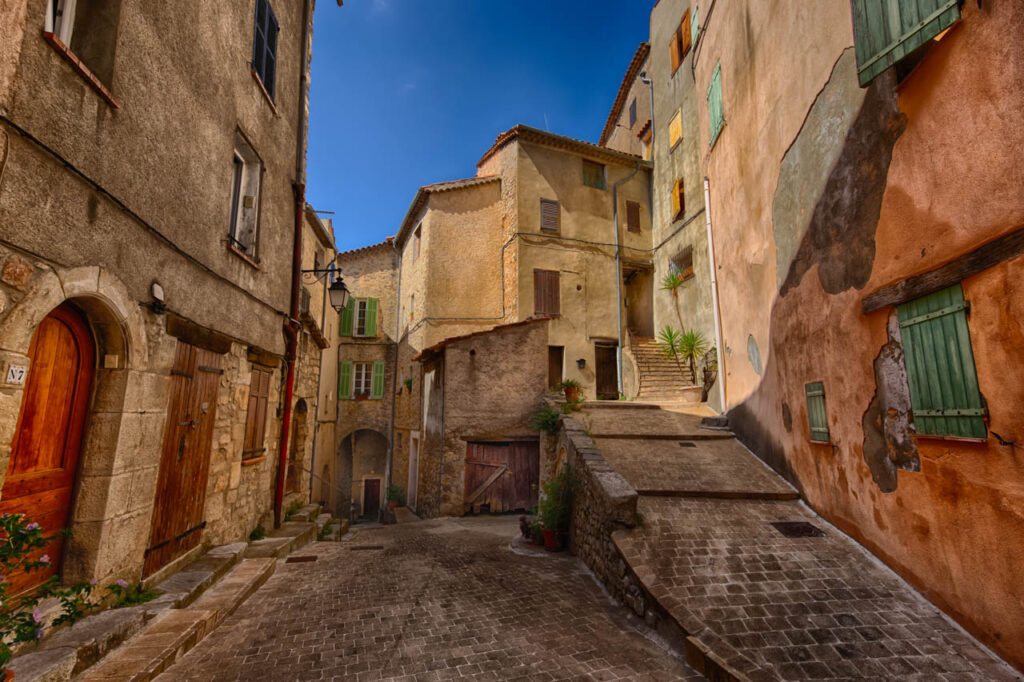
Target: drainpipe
x: 650, y: 88
x: 291, y: 325
x: 618, y: 268
x: 716, y: 311
x: 394, y: 372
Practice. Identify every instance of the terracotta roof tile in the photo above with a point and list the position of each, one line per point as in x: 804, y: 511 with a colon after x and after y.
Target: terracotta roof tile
x: 572, y: 144
x: 363, y: 249
x: 639, y: 57
x: 432, y: 350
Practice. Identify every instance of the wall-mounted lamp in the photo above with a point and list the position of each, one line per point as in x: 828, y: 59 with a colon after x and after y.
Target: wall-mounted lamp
x: 158, y: 305
x: 338, y: 293
x: 581, y: 363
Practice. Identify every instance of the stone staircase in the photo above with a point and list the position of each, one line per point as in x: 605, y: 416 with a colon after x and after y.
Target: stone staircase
x: 660, y: 377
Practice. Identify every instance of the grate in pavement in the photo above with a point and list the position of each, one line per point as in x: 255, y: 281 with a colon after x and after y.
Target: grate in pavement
x: 357, y: 547
x: 299, y: 559
x: 797, y: 529
x: 687, y: 444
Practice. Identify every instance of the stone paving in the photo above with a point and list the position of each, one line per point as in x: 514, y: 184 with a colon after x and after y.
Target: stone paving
x: 436, y: 600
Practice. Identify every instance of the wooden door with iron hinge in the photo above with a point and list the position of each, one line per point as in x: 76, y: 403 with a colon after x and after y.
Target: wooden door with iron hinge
x: 185, y: 459
x: 502, y: 477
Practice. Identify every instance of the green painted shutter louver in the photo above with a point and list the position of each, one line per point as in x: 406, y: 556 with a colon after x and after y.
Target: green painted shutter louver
x: 886, y: 31
x: 378, y: 381
x: 348, y: 316
x: 694, y: 24
x: 345, y: 381
x: 715, y: 117
x: 371, y: 317
x: 944, y: 392
x: 817, y: 417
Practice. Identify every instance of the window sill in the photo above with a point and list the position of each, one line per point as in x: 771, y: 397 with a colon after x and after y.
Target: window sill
x: 244, y: 256
x: 252, y: 460
x: 81, y: 69
x: 266, y: 95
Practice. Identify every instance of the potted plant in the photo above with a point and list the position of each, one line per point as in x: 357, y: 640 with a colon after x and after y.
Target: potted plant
x: 572, y: 389
x: 556, y: 508
x: 396, y: 497
x: 21, y: 621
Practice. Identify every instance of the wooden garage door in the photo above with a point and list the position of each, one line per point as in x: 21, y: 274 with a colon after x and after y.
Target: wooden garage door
x: 502, y: 477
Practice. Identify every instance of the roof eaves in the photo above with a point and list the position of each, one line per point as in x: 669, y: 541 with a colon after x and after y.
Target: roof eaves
x: 538, y: 136
x: 440, y: 345
x: 420, y: 200
x: 639, y: 57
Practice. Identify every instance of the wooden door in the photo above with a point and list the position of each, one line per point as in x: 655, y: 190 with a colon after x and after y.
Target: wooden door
x: 371, y: 496
x: 607, y: 370
x: 556, y: 360
x: 502, y: 477
x: 185, y: 458
x: 414, y: 471
x: 47, y: 439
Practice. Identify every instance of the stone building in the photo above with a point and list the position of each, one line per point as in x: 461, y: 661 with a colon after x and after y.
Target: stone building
x: 144, y: 284
x: 868, y: 251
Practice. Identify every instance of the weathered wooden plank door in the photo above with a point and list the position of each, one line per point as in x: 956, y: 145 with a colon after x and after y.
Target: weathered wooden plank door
x: 371, y: 496
x: 502, y: 477
x: 185, y: 460
x: 607, y: 371
x: 47, y: 439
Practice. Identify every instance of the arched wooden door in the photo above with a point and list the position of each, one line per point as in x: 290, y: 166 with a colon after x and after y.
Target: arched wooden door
x: 47, y: 440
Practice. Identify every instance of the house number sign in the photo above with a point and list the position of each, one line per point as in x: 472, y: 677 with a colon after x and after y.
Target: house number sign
x: 16, y: 374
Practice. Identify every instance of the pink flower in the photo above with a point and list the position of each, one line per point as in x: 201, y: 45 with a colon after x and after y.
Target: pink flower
x: 32, y: 526
x: 122, y: 583
x: 39, y: 633
x: 45, y: 559
x: 93, y: 582
x: 37, y: 616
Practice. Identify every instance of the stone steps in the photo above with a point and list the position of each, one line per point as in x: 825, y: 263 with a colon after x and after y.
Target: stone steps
x: 282, y: 541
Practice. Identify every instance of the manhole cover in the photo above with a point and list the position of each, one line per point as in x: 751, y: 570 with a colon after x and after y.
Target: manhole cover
x: 687, y: 444
x: 299, y: 559
x: 358, y: 547
x: 797, y: 529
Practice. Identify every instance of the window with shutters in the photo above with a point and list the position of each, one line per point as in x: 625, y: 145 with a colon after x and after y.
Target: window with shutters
x: 246, y: 174
x: 88, y: 29
x: 362, y: 380
x: 682, y: 263
x: 887, y: 32
x: 593, y: 174
x: 715, y: 115
x: 678, y: 196
x: 632, y: 216
x: 675, y: 130
x: 264, y: 46
x: 681, y: 41
x: 817, y: 418
x: 360, y: 318
x: 550, y: 215
x: 632, y: 113
x: 944, y: 393
x: 256, y: 413
x: 546, y: 293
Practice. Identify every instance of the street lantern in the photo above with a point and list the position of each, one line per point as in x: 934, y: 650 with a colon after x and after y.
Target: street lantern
x: 339, y: 294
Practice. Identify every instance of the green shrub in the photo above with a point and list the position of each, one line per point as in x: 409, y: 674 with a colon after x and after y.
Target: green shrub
x: 396, y: 494
x: 556, y: 503
x: 258, y: 533
x: 545, y: 418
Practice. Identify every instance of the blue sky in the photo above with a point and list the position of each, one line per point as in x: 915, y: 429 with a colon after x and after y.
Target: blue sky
x: 405, y: 93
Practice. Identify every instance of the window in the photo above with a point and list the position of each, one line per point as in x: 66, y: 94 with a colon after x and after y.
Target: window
x: 256, y: 413
x: 416, y: 243
x: 245, y: 198
x: 694, y: 26
x: 944, y: 393
x: 361, y: 380
x: 682, y: 263
x: 678, y: 199
x: 681, y: 41
x: 632, y: 113
x: 556, y: 359
x: 412, y: 307
x: 359, y: 318
x: 550, y: 216
x: 88, y: 28
x: 888, y: 31
x: 715, y: 116
x: 545, y: 292
x: 264, y: 46
x: 645, y: 145
x: 675, y: 130
x: 593, y: 174
x: 817, y: 418
x: 632, y: 216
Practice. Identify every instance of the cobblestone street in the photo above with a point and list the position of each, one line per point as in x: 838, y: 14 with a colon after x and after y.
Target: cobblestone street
x: 434, y: 600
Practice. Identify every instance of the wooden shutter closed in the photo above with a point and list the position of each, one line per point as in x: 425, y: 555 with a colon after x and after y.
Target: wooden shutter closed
x: 675, y: 129
x: 817, y: 418
x: 944, y: 392
x: 886, y: 31
x: 593, y: 174
x: 632, y: 113
x: 345, y: 381
x: 371, y: 318
x: 673, y: 51
x: 378, y: 381
x: 684, y: 29
x: 550, y: 216
x: 348, y: 316
x: 256, y: 414
x: 676, y: 195
x: 632, y: 216
x: 545, y: 292
x: 715, y: 103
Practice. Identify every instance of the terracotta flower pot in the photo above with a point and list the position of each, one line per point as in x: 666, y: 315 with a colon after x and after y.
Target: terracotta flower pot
x: 392, y: 505
x: 552, y: 540
x: 8, y: 675
x: 572, y: 394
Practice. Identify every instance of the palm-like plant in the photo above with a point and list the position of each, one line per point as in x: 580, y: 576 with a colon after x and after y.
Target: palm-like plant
x: 671, y: 282
x: 670, y: 343
x: 692, y: 346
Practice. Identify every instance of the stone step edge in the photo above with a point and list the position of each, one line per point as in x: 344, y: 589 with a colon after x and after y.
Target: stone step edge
x: 786, y: 496
x: 714, y: 435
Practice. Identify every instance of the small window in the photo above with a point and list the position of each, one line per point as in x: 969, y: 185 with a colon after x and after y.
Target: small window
x: 412, y: 307
x: 593, y: 174
x: 362, y: 380
x: 246, y: 170
x: 546, y: 292
x: 556, y: 360
x: 88, y: 28
x: 681, y: 40
x: 715, y: 115
x: 264, y: 46
x: 632, y: 216
x: 256, y: 413
x: 682, y: 263
x: 678, y: 199
x: 817, y: 418
x: 944, y: 393
x: 416, y: 243
x: 645, y: 145
x: 675, y: 130
x: 884, y: 33
x: 632, y: 113
x: 550, y: 216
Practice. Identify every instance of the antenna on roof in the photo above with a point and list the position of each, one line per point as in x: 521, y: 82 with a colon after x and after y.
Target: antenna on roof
x: 546, y: 122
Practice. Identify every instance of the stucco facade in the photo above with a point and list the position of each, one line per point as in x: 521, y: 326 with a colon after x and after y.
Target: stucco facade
x: 827, y: 201
x: 122, y: 211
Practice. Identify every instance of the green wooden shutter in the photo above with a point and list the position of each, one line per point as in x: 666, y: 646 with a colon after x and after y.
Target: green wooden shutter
x: 694, y: 25
x: 378, y: 381
x: 943, y: 381
x: 371, y: 317
x: 348, y: 316
x: 345, y: 381
x: 715, y: 103
x: 817, y: 418
x: 886, y: 31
